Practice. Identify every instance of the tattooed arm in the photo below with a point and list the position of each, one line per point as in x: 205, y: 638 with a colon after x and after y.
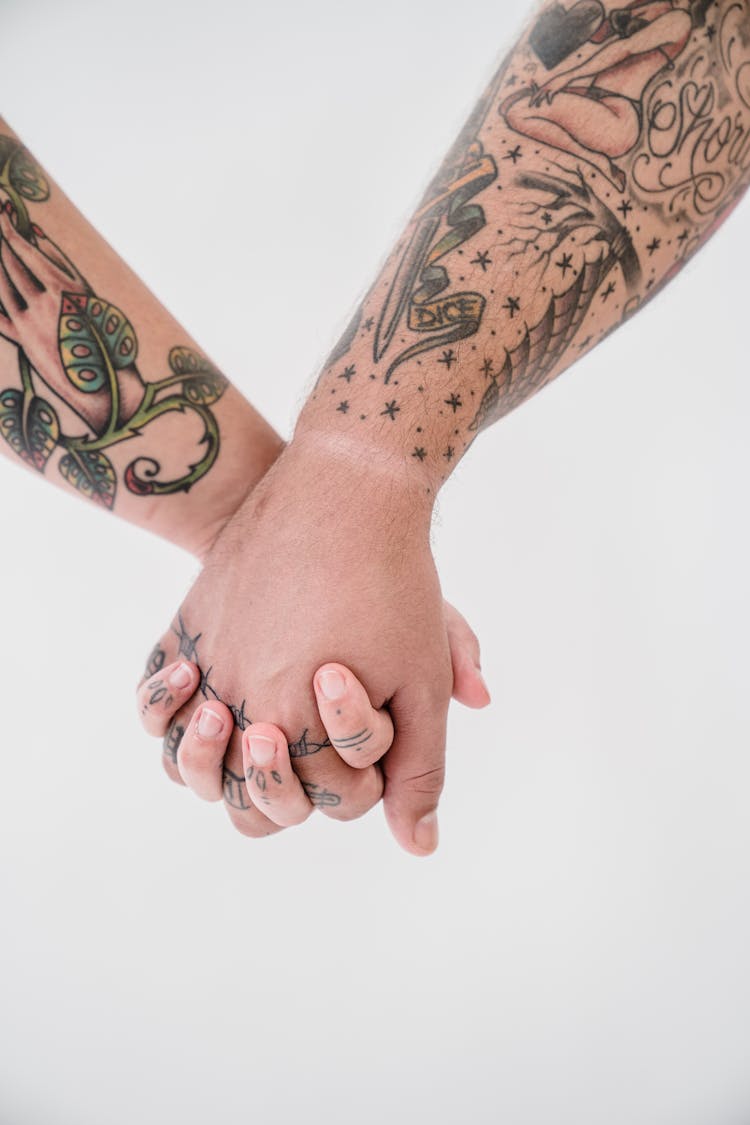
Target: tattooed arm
x: 78, y: 401
x: 551, y: 221
x: 100, y: 389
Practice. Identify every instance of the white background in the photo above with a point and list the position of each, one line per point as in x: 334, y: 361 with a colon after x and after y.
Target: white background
x: 577, y: 952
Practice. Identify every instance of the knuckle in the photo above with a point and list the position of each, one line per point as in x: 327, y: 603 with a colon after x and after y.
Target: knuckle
x: 430, y: 782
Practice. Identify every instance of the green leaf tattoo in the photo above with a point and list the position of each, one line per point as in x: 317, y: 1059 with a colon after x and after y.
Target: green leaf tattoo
x: 96, y: 340
x: 92, y: 474
x: 97, y: 345
x: 29, y: 425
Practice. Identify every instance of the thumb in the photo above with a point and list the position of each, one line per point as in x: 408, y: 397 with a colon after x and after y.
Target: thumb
x: 469, y: 687
x: 414, y: 770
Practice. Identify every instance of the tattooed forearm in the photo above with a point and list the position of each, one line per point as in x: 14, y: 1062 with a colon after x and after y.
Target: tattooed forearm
x: 605, y: 151
x: 77, y: 352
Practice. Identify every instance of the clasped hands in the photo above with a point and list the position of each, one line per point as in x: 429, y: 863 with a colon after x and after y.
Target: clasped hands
x: 328, y: 555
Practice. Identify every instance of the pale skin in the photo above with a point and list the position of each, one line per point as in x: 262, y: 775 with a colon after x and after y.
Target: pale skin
x: 522, y: 256
x: 33, y: 279
x: 335, y: 542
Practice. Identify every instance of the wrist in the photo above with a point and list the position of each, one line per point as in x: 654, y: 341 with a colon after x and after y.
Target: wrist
x: 370, y: 477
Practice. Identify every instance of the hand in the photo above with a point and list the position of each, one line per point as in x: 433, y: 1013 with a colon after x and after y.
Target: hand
x: 195, y: 756
x: 327, y: 556
x: 33, y: 280
x: 550, y: 88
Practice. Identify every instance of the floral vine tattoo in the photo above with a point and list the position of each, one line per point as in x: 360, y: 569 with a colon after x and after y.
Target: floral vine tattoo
x: 87, y: 359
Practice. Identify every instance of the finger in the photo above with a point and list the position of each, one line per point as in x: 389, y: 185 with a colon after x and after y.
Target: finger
x: 31, y: 259
x: 469, y: 687
x: 201, y: 750
x: 246, y: 818
x: 359, y: 734
x: 332, y: 786
x: 171, y: 746
x: 55, y: 258
x: 272, y: 784
x: 161, y: 696
x: 414, y: 770
x: 26, y: 284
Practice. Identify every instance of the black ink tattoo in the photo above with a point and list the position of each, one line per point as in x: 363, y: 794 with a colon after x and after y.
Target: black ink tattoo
x: 235, y: 792
x: 155, y: 661
x: 172, y: 741
x: 305, y: 746
x: 354, y: 741
x: 320, y: 797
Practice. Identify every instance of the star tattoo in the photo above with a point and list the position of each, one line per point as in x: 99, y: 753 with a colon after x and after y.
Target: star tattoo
x: 653, y: 245
x: 482, y: 259
x: 515, y: 154
x: 487, y: 368
x: 625, y: 208
x: 454, y: 402
x: 369, y: 323
x: 546, y: 218
x: 565, y: 263
x: 419, y: 452
x: 684, y: 236
x: 710, y: 32
x: 449, y: 358
x: 391, y: 409
x: 343, y: 406
x: 513, y: 305
x: 348, y: 372
x: 608, y: 291
x: 449, y: 453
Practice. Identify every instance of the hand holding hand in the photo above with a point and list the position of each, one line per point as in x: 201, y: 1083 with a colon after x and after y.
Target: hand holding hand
x: 327, y: 556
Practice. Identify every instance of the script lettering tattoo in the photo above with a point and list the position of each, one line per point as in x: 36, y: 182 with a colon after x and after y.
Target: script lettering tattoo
x: 605, y: 151
x: 86, y: 359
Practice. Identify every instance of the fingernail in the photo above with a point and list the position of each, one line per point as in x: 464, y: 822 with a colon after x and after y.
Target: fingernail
x: 262, y: 750
x: 426, y: 832
x: 209, y: 723
x: 332, y: 684
x: 483, y: 682
x: 180, y: 678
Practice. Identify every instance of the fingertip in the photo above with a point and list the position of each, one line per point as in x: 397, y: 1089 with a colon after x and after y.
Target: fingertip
x: 331, y: 682
x: 470, y: 687
x: 420, y: 838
